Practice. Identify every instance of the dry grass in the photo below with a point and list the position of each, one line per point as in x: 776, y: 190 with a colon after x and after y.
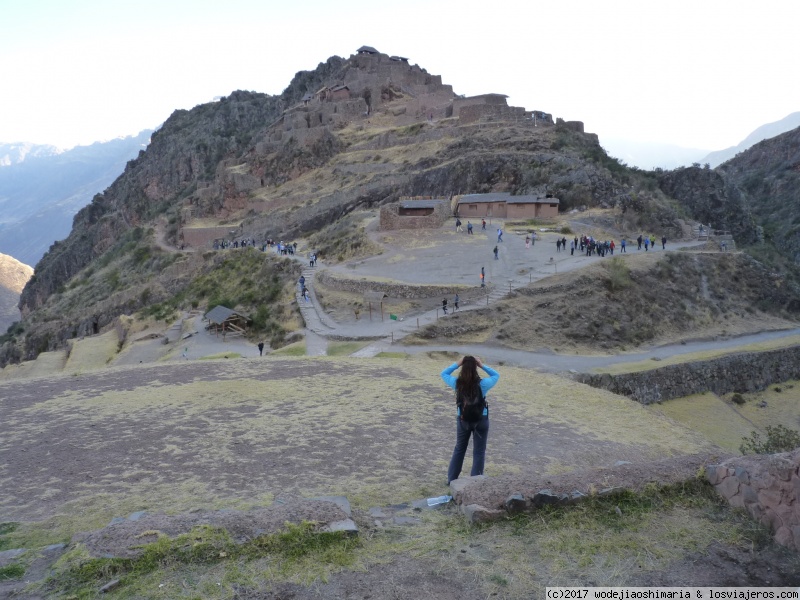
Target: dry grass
x: 242, y: 433
x: 178, y: 435
x: 91, y: 353
x: 726, y: 423
x: 344, y: 348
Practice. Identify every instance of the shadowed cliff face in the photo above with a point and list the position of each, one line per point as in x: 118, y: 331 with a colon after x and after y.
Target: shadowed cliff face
x: 712, y: 199
x: 768, y: 175
x: 182, y: 154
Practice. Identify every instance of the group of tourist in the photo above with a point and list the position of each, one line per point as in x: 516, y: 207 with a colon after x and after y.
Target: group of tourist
x: 280, y: 247
x: 650, y: 242
x: 225, y: 244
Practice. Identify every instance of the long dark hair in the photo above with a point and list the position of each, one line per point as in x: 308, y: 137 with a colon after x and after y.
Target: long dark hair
x: 468, y: 384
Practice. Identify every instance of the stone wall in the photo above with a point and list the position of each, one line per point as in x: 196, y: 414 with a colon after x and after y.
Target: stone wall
x: 485, y: 99
x: 491, y: 112
x: 393, y: 290
x: 746, y: 372
x: 203, y: 237
x: 390, y: 219
x: 571, y: 125
x: 768, y: 487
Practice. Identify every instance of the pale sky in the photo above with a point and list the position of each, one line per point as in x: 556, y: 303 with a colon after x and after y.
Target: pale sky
x: 699, y: 73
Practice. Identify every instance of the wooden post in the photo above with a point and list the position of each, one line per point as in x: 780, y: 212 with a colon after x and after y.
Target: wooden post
x: 381, y: 311
x: 437, y: 314
x: 393, y: 337
x: 417, y: 322
x: 370, y: 311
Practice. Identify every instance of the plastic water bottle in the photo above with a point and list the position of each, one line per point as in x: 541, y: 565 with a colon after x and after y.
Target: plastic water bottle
x: 439, y: 500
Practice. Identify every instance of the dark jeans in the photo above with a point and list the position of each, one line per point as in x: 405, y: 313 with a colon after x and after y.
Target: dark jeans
x: 463, y: 432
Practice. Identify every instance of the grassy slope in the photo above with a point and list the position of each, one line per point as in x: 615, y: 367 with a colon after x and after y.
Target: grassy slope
x: 650, y: 299
x: 338, y: 426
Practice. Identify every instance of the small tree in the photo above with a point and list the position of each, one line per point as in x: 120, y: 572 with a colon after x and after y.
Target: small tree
x: 779, y: 439
x: 619, y: 276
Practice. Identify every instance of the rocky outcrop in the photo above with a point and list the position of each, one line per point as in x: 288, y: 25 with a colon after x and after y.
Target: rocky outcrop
x: 13, y: 277
x: 746, y: 372
x: 767, y: 487
x: 183, y: 154
x: 482, y: 498
x: 712, y: 199
x: 768, y: 175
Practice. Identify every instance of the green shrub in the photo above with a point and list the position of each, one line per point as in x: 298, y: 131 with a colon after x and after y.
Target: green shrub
x: 737, y: 398
x: 779, y: 439
x: 619, y: 275
x: 12, y: 571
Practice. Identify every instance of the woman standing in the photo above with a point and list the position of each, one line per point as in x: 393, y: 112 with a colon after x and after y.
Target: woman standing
x: 472, y: 412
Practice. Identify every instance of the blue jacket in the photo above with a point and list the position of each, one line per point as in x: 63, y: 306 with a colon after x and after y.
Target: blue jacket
x: 487, y: 383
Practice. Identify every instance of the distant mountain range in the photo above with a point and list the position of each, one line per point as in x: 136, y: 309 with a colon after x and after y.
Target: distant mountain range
x: 12, y: 154
x: 41, y: 189
x: 648, y: 155
x: 764, y: 132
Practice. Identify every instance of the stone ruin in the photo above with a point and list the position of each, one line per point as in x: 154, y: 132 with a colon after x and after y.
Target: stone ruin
x: 415, y: 213
x: 371, y: 79
x: 767, y: 487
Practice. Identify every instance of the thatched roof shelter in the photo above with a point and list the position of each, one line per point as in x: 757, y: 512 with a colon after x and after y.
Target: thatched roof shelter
x: 224, y: 319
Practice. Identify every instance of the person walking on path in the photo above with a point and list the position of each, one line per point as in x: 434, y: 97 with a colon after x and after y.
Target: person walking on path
x: 444, y: 305
x: 472, y: 412
x: 483, y: 224
x: 652, y: 241
x: 261, y: 348
x: 469, y: 228
x: 495, y: 253
x: 483, y: 278
x: 455, y: 303
x: 499, y: 234
x: 639, y: 240
x: 646, y: 243
x: 458, y: 225
x: 622, y: 246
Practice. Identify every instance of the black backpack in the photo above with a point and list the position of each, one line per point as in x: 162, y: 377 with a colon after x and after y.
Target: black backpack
x: 472, y: 406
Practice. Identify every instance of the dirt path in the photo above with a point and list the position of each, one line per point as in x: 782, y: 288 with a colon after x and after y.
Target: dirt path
x: 445, y: 256
x: 560, y: 363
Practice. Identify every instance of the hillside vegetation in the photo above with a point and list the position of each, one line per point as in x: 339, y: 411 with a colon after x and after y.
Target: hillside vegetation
x: 621, y: 304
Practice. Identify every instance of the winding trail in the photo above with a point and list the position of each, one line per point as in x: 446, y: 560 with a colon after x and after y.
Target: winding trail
x: 444, y: 256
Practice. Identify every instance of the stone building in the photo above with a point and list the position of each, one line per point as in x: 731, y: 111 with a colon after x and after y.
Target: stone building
x: 505, y: 206
x: 415, y: 213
